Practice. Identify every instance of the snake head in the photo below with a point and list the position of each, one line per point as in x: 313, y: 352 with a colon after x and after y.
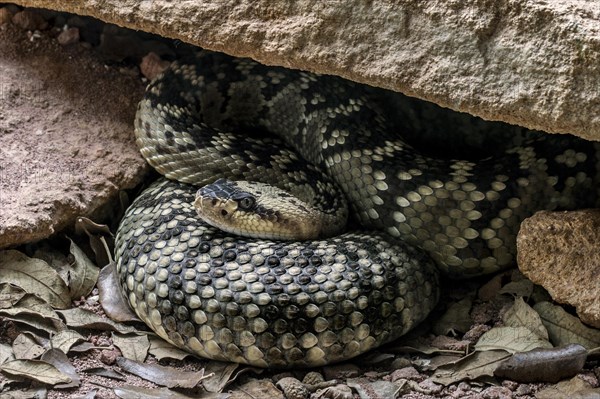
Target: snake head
x: 258, y: 210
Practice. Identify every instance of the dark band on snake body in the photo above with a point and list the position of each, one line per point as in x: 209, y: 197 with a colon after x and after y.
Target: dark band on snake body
x: 464, y: 214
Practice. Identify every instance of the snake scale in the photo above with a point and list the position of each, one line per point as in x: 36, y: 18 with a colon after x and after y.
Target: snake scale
x: 308, y: 303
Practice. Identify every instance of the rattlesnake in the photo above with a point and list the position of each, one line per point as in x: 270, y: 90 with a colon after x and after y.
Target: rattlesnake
x: 284, y: 304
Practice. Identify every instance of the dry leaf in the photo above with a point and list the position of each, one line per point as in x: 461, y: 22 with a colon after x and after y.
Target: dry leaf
x: 165, y: 376
x: 218, y: 375
x: 25, y: 347
x: 101, y: 239
x: 35, y: 306
x: 477, y: 364
x: 36, y: 370
x: 111, y: 298
x: 83, y: 273
x: 564, y: 328
x: 105, y: 372
x: 510, y: 339
x: 133, y: 392
x: 10, y: 295
x: 36, y: 322
x: 36, y: 313
x: 161, y: 349
x: 338, y: 391
x: 544, y: 365
x: 456, y: 318
x: 132, y: 347
x: 257, y: 389
x: 65, y: 340
x: 575, y: 388
x: 77, y: 317
x: 58, y: 359
x: 523, y: 315
x: 6, y: 353
x: 35, y: 276
x: 85, y: 347
x: 521, y: 288
x: 33, y: 393
x: 91, y: 394
x: 375, y: 389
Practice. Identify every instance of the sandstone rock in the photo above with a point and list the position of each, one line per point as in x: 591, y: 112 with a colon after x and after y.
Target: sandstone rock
x: 559, y: 251
x: 66, y: 136
x: 534, y: 63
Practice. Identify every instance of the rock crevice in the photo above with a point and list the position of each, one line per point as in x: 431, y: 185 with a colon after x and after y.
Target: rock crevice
x: 535, y: 63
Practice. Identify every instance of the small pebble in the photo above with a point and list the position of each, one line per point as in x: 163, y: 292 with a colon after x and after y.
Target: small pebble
x: 109, y: 356
x: 68, y: 36
x: 401, y: 362
x: 407, y: 373
x: 313, y: 378
x: 523, y: 389
x: 293, y: 388
x: 152, y: 65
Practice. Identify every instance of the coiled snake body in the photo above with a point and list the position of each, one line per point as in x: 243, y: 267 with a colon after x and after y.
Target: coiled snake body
x: 308, y: 303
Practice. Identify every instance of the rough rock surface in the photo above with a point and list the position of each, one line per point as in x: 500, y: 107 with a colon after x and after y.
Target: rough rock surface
x: 66, y: 135
x: 559, y: 251
x: 533, y: 63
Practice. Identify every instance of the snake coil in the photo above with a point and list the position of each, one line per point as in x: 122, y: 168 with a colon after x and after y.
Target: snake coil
x: 286, y: 304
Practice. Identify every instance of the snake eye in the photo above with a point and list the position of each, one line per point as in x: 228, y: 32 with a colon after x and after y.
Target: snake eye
x: 246, y: 203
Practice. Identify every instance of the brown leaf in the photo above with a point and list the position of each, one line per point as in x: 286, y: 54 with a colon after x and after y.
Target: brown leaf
x: 25, y: 347
x: 65, y: 340
x: 36, y: 370
x: 218, y: 375
x: 82, y: 318
x: 375, y: 389
x: 165, y: 376
x: 510, y: 339
x: 133, y: 392
x: 105, y: 372
x: 58, y: 359
x: 575, y: 388
x: 101, y: 239
x: 544, y: 365
x: 161, y: 349
x: 83, y: 273
x: 10, y: 295
x: 111, y: 298
x: 473, y: 366
x: 134, y: 347
x: 37, y: 322
x: 35, y: 276
x: 6, y: 353
x: 521, y: 288
x: 33, y: 393
x: 257, y: 389
x: 564, y: 328
x: 456, y: 318
x: 523, y: 315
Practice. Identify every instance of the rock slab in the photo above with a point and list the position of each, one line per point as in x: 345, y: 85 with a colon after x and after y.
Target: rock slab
x: 560, y: 251
x: 532, y: 63
x: 66, y: 135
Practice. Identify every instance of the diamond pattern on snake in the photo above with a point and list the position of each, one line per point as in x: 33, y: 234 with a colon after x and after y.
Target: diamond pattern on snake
x: 212, y: 125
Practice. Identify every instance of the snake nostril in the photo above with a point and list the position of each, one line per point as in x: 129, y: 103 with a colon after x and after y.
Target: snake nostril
x: 214, y: 201
x: 223, y: 212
